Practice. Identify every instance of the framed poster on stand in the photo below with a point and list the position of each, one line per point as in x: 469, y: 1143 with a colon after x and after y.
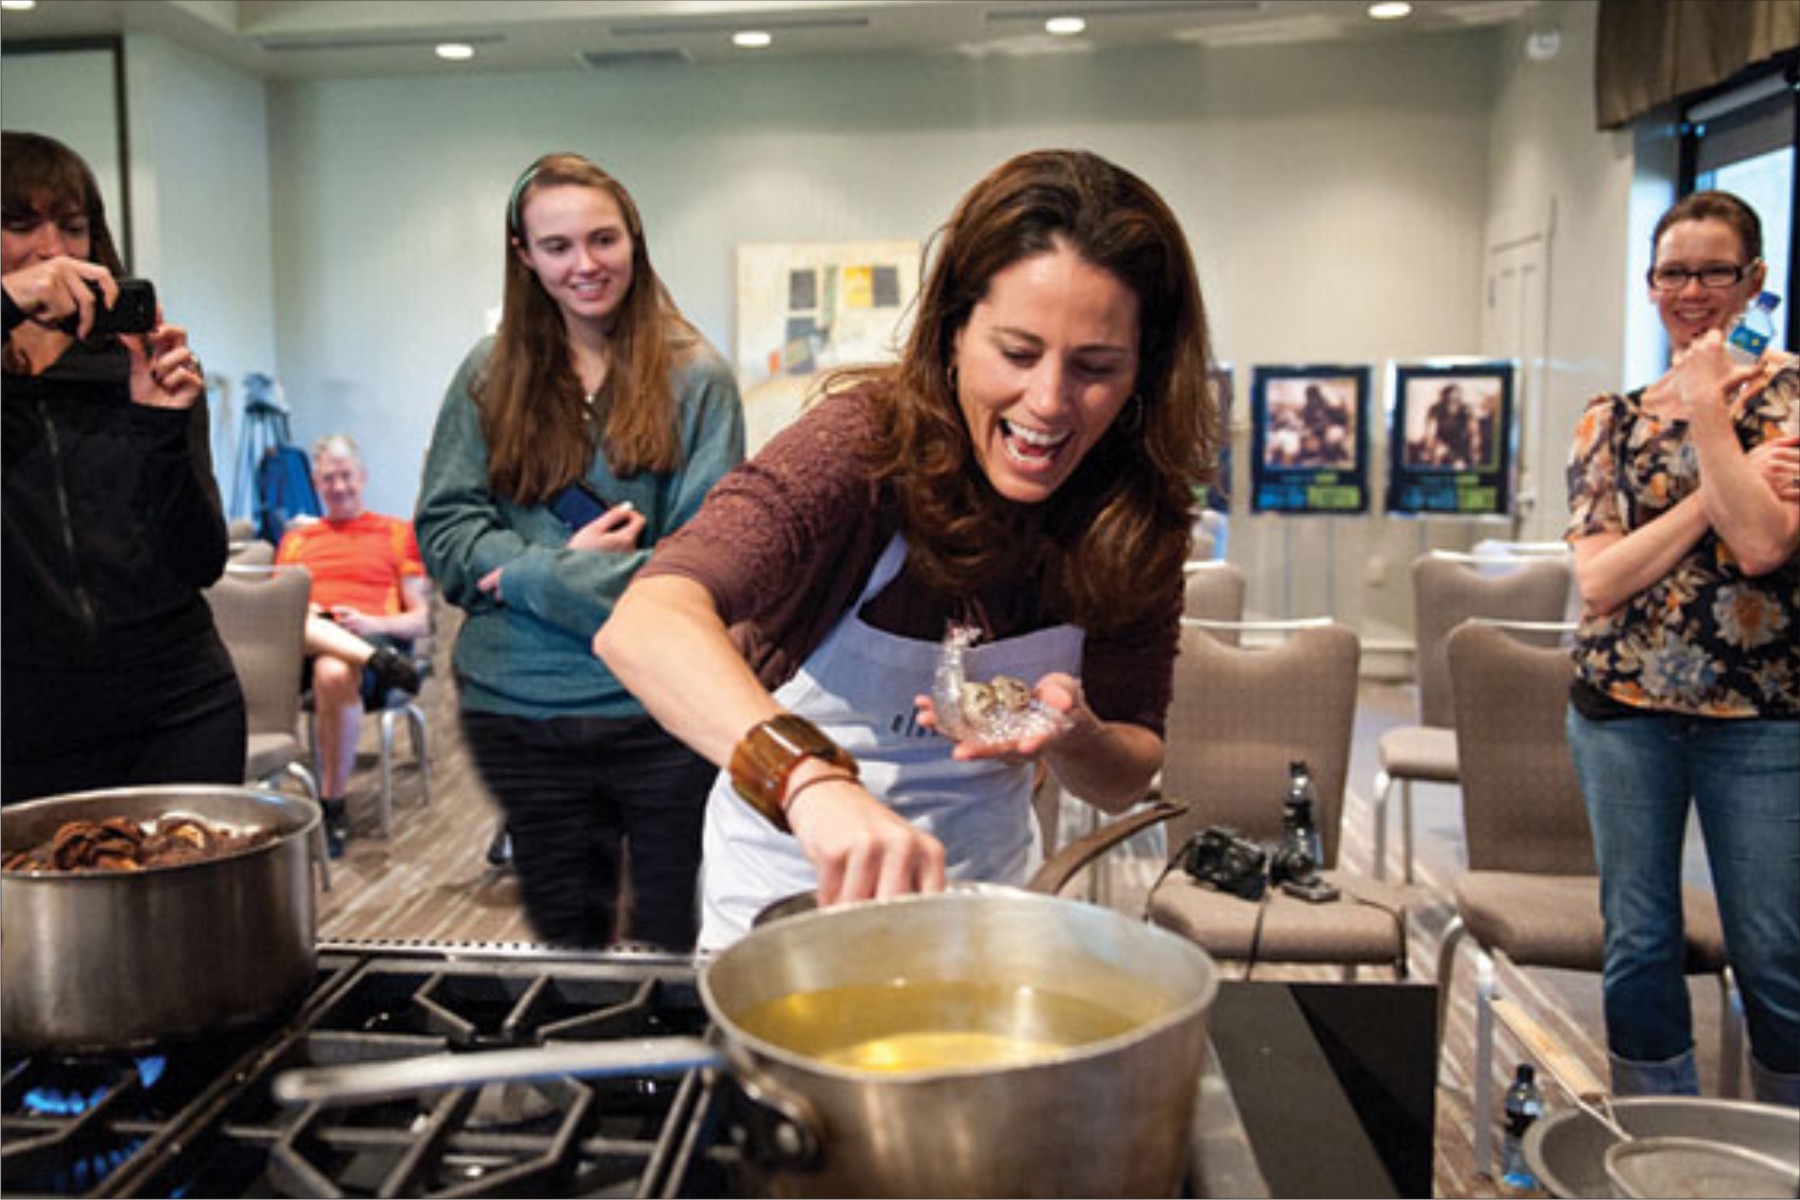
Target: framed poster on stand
x: 1451, y: 435
x: 1309, y: 439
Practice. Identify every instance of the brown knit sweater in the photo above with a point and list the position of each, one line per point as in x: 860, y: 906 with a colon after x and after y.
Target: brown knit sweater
x: 786, y: 543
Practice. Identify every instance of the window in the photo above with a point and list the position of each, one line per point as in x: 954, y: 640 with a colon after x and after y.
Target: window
x: 1743, y: 141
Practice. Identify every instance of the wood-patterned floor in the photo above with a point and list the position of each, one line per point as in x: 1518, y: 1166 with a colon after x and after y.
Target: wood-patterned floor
x: 431, y: 881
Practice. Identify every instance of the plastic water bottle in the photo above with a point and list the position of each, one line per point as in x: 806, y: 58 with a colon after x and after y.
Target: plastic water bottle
x: 1523, y: 1106
x: 1753, y: 330
x: 1300, y: 832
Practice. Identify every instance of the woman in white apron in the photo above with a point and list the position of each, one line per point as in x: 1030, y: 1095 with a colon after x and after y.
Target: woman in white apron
x: 1030, y: 467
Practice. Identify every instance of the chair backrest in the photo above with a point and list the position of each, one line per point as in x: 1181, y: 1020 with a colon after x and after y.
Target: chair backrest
x: 261, y: 615
x: 253, y: 553
x: 1241, y: 714
x: 1448, y: 589
x: 1214, y: 591
x: 1521, y: 799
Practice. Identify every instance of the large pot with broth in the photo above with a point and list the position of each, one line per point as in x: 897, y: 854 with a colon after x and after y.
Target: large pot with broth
x: 103, y: 960
x: 972, y: 1043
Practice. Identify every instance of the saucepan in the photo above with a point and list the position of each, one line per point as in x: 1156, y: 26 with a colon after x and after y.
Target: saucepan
x: 106, y: 961
x: 991, y: 1042
x: 1654, y: 1146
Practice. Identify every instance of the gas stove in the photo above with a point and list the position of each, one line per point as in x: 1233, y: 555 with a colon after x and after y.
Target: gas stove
x: 199, y: 1119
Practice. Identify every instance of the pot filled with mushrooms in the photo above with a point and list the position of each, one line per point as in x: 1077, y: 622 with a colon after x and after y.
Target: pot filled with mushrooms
x: 137, y: 916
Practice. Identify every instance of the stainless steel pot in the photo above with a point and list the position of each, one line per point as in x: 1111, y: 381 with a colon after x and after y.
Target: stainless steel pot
x: 1104, y: 1117
x: 1568, y: 1151
x: 103, y: 962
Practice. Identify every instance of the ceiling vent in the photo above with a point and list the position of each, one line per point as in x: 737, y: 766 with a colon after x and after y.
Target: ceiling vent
x: 278, y: 44
x: 612, y: 60
x: 1129, y: 8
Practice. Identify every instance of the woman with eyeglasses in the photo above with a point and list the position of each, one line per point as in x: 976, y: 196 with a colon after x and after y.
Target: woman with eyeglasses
x: 1685, y: 499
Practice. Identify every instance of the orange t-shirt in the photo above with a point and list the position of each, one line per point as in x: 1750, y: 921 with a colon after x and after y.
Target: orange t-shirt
x: 359, y: 563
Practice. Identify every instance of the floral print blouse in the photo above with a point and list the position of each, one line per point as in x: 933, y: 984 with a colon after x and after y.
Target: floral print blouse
x: 1705, y: 639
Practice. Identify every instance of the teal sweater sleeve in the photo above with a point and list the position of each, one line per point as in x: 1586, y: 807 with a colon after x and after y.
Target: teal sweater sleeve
x: 529, y: 651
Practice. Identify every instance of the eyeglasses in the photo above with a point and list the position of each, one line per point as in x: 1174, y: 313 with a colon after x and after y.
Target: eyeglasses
x: 1717, y: 276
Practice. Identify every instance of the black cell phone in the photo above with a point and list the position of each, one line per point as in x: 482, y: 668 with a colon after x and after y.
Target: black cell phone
x: 134, y: 312
x: 578, y: 504
x: 1313, y: 891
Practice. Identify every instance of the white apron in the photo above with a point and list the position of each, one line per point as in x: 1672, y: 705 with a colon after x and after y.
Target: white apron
x: 858, y: 687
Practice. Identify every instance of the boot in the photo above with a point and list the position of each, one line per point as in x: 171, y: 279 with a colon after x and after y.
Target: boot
x: 393, y: 670
x: 337, y: 827
x: 1774, y: 1087
x: 1678, y: 1076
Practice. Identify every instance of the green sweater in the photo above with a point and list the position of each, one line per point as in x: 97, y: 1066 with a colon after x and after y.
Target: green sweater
x: 530, y: 653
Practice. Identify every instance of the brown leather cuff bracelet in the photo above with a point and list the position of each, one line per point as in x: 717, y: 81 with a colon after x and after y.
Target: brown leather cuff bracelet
x: 765, y: 758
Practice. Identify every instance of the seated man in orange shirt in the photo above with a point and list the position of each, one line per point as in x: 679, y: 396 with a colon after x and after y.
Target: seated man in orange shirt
x: 370, y: 600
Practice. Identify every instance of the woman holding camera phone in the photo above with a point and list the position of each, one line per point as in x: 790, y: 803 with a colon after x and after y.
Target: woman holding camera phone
x: 595, y: 395
x: 113, y: 672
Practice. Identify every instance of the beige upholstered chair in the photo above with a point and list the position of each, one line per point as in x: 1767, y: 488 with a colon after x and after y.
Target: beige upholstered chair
x: 1531, y: 896
x: 1239, y: 716
x: 1214, y: 592
x: 1447, y: 590
x: 260, y: 615
x: 252, y: 553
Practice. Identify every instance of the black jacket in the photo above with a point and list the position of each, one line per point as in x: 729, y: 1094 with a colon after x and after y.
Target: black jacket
x: 112, y: 524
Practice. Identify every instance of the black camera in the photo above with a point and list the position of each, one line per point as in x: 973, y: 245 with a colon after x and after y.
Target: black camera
x: 1221, y: 858
x: 133, y: 312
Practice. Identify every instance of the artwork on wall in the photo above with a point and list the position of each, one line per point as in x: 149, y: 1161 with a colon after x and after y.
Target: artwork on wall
x: 1450, y: 438
x: 808, y: 306
x: 1309, y: 439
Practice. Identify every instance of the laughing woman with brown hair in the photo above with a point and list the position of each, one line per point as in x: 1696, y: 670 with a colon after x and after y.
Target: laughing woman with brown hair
x: 1029, y: 468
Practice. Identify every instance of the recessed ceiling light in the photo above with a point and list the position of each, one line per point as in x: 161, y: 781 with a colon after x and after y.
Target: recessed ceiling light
x: 1390, y: 10
x: 455, y: 51
x: 752, y: 39
x: 1065, y: 26
x: 18, y: 5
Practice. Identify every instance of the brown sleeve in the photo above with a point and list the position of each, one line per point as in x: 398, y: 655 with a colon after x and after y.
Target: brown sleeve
x: 1129, y: 675
x: 785, y: 542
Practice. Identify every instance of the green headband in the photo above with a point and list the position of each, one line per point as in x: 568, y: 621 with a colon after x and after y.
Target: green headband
x: 512, y: 202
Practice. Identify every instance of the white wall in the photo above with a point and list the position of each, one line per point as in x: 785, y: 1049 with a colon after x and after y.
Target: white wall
x: 200, y: 190
x: 347, y: 235
x: 1335, y: 200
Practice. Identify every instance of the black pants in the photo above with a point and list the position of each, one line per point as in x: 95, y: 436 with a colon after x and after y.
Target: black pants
x: 578, y: 792
x: 179, y: 722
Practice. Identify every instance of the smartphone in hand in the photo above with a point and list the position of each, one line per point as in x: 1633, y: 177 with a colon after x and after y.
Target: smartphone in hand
x: 133, y: 312
x: 578, y: 504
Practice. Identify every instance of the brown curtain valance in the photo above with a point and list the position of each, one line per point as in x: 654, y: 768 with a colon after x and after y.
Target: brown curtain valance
x: 1648, y: 52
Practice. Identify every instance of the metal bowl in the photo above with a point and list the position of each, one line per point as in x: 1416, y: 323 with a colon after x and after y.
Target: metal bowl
x: 1568, y: 1150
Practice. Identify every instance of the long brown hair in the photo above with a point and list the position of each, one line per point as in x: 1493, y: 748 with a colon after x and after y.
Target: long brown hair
x: 1126, y: 514
x: 539, y: 431
x: 34, y: 169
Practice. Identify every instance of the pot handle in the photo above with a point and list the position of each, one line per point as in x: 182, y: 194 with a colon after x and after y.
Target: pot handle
x: 1062, y: 866
x: 367, y: 1081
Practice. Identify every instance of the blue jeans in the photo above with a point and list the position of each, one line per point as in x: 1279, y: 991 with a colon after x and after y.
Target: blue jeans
x: 1743, y: 776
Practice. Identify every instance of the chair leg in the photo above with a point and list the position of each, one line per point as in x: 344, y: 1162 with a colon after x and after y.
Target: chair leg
x: 1384, y: 783
x: 1454, y: 933
x: 420, y: 736
x: 1406, y: 828
x: 387, y: 771
x: 1731, y: 1036
x: 1481, y: 1084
